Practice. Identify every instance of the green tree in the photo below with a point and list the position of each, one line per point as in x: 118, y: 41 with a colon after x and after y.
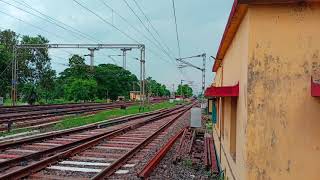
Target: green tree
x: 77, y: 69
x: 8, y: 39
x: 76, y: 61
x: 35, y: 68
x: 47, y: 84
x: 114, y: 81
x: 185, y: 89
x: 33, y: 63
x: 29, y: 93
x: 81, y: 90
x: 156, y: 89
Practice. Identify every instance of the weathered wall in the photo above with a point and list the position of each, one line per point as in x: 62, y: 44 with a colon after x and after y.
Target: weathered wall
x: 283, y: 119
x: 234, y: 70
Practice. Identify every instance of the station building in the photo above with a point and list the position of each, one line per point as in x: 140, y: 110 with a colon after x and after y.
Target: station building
x: 265, y: 96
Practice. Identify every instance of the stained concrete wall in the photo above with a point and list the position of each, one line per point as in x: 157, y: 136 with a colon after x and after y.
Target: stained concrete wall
x: 283, y: 128
x: 234, y: 69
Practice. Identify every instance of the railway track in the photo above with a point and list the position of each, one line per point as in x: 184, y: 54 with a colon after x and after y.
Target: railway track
x: 38, y: 115
x: 88, y: 153
x: 27, y: 108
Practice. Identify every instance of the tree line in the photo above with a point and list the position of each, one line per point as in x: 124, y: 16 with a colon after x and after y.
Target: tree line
x: 38, y: 82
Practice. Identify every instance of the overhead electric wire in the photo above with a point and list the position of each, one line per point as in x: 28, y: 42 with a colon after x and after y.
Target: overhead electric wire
x: 44, y: 19
x: 132, y: 26
x: 118, y: 29
x: 177, y: 35
x: 105, y: 21
x: 147, y: 29
x: 34, y: 26
x: 84, y: 35
x: 177, y: 32
x: 152, y: 26
x: 52, y: 21
x: 149, y: 21
x: 37, y: 27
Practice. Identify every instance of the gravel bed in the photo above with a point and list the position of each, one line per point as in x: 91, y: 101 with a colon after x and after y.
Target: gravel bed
x: 181, y: 170
x: 185, y: 169
x: 183, y: 122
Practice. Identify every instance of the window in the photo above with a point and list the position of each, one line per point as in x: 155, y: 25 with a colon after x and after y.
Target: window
x: 233, y: 128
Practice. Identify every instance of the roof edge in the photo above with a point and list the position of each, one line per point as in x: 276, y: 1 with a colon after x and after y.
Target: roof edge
x: 237, y: 13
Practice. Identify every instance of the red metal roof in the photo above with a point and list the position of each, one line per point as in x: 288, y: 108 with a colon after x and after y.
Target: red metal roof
x: 225, y: 91
x: 237, y: 13
x: 315, y: 89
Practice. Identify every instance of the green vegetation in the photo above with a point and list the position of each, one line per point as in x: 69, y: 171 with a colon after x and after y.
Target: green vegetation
x: 75, y: 121
x: 156, y: 88
x: 81, y: 90
x: 186, y: 90
x: 70, y: 122
x: 39, y: 84
x: 187, y: 162
x: 209, y: 125
x: 15, y: 131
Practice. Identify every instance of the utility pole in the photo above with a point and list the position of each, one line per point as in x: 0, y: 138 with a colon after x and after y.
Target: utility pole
x: 181, y: 92
x: 173, y: 91
x: 203, y: 69
x: 124, y: 54
x: 91, y: 55
x: 14, y: 77
x: 142, y: 76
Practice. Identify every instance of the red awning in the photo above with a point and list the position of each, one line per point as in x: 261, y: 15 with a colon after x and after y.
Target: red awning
x: 224, y: 91
x: 315, y: 88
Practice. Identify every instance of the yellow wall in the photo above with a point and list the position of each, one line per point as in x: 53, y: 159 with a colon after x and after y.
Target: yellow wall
x: 283, y: 129
x: 234, y: 70
x: 273, y: 55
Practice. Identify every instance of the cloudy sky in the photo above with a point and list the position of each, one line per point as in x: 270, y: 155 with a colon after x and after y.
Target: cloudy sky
x: 200, y: 24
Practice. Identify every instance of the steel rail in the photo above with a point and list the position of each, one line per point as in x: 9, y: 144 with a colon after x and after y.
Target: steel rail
x: 44, y: 153
x: 56, y: 110
x: 48, y: 106
x: 177, y: 154
x: 52, y: 113
x: 111, y: 122
x: 151, y: 165
x: 32, y: 168
x: 108, y: 171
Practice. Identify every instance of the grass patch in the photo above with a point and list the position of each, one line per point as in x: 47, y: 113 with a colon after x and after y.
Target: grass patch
x: 209, y: 126
x: 78, y: 120
x: 15, y: 131
x: 71, y: 122
x: 187, y: 163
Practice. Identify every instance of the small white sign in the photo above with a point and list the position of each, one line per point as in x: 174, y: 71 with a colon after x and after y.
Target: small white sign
x: 195, y: 117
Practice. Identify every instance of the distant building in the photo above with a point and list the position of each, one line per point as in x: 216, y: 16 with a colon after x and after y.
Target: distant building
x: 266, y: 93
x: 179, y: 98
x: 135, y: 96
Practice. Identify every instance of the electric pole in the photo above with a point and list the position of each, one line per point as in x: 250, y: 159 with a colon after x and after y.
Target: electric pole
x: 181, y: 92
x: 91, y: 55
x: 203, y: 69
x: 124, y: 54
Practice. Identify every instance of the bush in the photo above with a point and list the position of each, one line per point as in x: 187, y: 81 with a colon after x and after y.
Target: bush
x: 81, y: 90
